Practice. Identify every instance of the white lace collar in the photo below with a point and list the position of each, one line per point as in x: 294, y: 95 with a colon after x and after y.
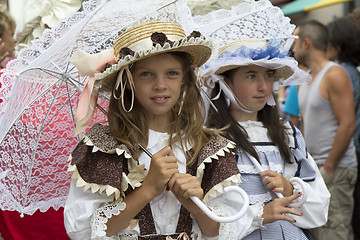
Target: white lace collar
x: 258, y: 132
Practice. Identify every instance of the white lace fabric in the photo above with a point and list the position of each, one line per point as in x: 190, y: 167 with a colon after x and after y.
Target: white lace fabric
x: 35, y: 142
x: 101, y: 217
x: 249, y: 19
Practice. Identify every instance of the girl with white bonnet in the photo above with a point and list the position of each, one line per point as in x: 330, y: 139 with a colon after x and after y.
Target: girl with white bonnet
x: 286, y: 191
x: 136, y: 177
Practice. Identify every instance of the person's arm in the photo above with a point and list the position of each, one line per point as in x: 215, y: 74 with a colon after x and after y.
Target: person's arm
x: 163, y: 166
x: 339, y: 92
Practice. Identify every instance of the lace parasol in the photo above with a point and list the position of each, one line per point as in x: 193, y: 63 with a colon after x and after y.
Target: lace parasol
x: 249, y: 19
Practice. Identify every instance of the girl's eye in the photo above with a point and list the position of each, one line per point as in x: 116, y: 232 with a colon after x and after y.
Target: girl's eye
x: 173, y: 73
x: 270, y: 74
x: 145, y: 74
x: 250, y: 76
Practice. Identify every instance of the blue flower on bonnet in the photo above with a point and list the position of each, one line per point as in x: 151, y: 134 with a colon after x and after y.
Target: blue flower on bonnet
x: 255, y: 53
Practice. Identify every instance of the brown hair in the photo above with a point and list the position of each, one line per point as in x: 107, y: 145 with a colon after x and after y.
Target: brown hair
x: 316, y: 31
x: 6, y: 23
x: 269, y: 116
x: 131, y: 127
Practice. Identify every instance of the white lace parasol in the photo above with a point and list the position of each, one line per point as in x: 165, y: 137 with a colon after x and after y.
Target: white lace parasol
x: 249, y: 19
x: 40, y: 91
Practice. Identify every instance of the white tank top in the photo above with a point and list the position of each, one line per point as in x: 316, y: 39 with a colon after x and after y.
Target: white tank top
x: 320, y: 123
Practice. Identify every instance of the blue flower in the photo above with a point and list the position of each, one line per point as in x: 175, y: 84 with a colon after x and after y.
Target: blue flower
x: 254, y: 53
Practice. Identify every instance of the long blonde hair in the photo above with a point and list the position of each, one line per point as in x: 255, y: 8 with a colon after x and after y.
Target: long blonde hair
x: 131, y: 128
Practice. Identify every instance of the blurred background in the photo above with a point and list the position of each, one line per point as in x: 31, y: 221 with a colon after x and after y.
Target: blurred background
x: 33, y: 16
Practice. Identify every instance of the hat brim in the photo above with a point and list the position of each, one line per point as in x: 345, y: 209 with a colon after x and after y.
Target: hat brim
x: 281, y: 71
x: 199, y: 49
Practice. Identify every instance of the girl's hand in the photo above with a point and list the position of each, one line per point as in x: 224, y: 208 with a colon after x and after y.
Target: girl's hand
x: 276, y: 182
x: 185, y: 185
x: 162, y: 167
x: 276, y: 209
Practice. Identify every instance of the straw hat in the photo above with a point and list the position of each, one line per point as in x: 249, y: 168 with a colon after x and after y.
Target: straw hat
x: 135, y: 44
x: 149, y: 39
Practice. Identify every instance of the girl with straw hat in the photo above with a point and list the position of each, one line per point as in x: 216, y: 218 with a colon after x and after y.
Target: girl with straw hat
x: 133, y: 178
x: 285, y: 188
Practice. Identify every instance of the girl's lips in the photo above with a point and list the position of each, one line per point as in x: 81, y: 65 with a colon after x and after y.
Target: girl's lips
x: 160, y: 100
x: 260, y: 98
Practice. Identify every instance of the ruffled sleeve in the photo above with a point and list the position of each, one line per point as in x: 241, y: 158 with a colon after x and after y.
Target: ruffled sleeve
x: 102, y: 171
x: 217, y: 170
x: 315, y: 209
x: 79, y: 208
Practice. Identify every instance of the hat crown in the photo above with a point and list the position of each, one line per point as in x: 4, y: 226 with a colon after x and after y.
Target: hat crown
x: 138, y: 38
x: 248, y: 43
x: 250, y: 19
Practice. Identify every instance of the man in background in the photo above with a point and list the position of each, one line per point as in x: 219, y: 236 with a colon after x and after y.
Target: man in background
x: 327, y: 107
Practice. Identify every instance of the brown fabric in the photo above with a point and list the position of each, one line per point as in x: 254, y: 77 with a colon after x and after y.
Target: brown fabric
x: 101, y: 137
x: 220, y: 169
x: 185, y: 221
x: 159, y: 237
x: 146, y: 221
x: 98, y: 167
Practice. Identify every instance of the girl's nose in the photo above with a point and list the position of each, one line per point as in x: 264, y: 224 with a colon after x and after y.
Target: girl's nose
x: 160, y: 83
x: 262, y: 83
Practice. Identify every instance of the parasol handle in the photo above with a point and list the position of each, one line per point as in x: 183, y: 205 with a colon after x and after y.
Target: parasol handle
x: 225, y: 219
x: 292, y: 181
x: 206, y: 210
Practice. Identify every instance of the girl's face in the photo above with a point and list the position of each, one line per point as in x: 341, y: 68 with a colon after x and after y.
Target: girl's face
x: 9, y: 43
x: 252, y: 85
x: 157, y: 82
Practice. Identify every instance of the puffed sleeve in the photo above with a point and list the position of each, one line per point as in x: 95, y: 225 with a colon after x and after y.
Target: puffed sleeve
x: 79, y: 208
x: 218, y: 169
x: 315, y: 209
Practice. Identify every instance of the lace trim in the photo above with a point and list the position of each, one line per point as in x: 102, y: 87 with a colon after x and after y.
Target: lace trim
x: 226, y: 230
x: 260, y: 198
x: 102, y: 215
x: 253, y: 127
x: 251, y: 169
x: 257, y: 223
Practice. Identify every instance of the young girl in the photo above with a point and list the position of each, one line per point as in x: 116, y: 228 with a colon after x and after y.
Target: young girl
x: 244, y: 73
x: 133, y: 177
